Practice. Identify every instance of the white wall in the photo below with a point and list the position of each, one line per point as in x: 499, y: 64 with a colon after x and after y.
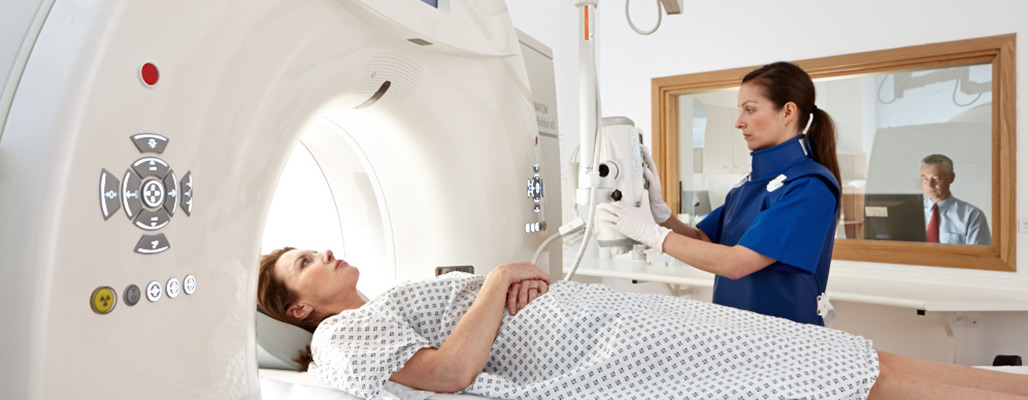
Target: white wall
x: 714, y: 35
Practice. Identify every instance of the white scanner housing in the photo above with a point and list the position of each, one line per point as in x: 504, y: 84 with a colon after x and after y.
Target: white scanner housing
x: 427, y: 170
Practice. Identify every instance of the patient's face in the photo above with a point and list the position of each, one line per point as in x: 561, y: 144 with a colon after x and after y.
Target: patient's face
x: 318, y: 278
x: 936, y: 181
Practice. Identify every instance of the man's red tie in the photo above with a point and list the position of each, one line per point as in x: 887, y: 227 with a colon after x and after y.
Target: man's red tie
x: 933, y: 225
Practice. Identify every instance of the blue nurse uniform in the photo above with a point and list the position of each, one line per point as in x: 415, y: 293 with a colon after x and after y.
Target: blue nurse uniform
x: 785, y: 210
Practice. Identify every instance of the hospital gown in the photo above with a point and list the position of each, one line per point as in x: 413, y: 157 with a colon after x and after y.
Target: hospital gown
x: 584, y: 341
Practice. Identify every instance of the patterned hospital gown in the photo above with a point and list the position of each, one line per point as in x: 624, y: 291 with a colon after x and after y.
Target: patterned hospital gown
x: 589, y: 342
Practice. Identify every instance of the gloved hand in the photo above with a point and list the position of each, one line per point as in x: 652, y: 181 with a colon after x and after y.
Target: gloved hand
x: 634, y: 222
x: 661, y: 212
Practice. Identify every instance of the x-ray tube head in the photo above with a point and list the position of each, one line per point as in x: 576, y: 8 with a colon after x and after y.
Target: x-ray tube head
x: 620, y: 175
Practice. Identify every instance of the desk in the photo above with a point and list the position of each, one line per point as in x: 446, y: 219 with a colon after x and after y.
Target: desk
x: 945, y: 294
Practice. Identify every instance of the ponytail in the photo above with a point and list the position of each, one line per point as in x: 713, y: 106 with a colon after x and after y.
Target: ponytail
x: 821, y: 136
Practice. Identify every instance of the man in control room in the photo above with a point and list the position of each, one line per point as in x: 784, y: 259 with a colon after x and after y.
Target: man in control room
x: 949, y: 220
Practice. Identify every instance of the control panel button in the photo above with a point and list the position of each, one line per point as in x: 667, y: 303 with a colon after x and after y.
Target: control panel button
x: 189, y: 284
x: 535, y: 188
x: 132, y: 295
x: 153, y: 291
x: 151, y: 166
x: 153, y: 193
x: 149, y: 74
x: 173, y: 288
x: 130, y: 196
x: 110, y: 200
x: 102, y: 300
x: 186, y: 193
x: 171, y: 185
x: 152, y: 220
x: 152, y: 244
x: 150, y: 142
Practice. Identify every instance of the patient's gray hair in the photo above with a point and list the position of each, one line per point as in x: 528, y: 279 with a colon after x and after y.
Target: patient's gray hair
x: 936, y: 159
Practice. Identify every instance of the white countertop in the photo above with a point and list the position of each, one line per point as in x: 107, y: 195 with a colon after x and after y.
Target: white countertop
x: 899, y: 289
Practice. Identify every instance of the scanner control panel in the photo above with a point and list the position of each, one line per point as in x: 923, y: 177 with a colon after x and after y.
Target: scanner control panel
x: 149, y: 192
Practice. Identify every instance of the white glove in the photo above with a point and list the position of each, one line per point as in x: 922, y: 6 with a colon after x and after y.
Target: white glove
x: 661, y: 212
x: 634, y: 222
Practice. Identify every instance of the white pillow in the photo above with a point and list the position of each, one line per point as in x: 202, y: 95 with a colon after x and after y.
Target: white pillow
x: 278, y: 343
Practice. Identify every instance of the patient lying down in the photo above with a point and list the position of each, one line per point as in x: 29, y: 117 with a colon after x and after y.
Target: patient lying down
x: 512, y: 335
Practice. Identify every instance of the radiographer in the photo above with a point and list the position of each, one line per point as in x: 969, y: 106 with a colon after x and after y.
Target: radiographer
x: 770, y: 244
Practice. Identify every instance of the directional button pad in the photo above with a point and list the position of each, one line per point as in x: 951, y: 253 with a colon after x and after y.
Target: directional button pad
x: 149, y: 193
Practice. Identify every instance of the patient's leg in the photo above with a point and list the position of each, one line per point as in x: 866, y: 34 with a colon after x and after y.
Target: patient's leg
x: 892, y: 384
x: 955, y: 375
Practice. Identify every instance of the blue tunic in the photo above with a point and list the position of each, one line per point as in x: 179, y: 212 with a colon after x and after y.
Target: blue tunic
x: 786, y: 210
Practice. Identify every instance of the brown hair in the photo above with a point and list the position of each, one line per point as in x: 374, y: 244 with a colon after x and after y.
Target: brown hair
x: 783, y: 82
x: 275, y: 298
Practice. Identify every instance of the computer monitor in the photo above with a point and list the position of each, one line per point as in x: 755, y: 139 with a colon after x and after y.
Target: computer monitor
x: 894, y: 217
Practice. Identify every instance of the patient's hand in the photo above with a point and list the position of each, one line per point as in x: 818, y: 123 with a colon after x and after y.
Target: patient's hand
x: 521, y: 293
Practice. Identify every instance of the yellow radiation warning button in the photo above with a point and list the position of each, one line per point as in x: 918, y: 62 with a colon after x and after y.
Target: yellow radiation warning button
x: 103, y: 300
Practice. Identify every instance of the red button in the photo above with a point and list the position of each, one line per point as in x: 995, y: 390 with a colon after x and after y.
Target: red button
x: 149, y: 74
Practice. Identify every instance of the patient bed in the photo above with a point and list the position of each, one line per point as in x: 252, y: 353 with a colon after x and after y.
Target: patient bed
x: 279, y: 384
x: 278, y: 343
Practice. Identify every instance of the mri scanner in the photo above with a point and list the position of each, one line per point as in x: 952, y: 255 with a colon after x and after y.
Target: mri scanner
x: 141, y: 146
